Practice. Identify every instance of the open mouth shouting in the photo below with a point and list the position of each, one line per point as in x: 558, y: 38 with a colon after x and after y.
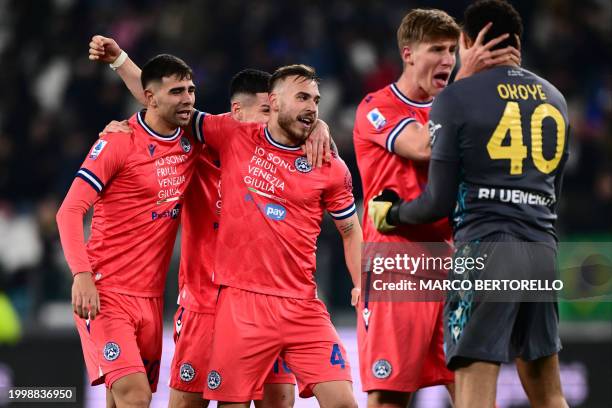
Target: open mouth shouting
x: 307, y: 121
x: 440, y: 79
x: 184, y: 114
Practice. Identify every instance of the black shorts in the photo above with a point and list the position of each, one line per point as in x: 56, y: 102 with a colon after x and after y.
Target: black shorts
x: 478, y: 326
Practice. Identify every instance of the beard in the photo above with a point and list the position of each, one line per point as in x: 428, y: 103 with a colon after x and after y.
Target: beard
x: 288, y: 124
x: 172, y: 117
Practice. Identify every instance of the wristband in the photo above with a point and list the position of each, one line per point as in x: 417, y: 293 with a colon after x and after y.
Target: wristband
x: 119, y: 61
x: 392, y: 217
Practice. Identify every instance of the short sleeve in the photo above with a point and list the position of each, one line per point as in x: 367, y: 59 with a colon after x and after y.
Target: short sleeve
x: 211, y: 129
x: 338, y: 196
x: 380, y: 124
x: 104, y: 160
x: 444, y: 128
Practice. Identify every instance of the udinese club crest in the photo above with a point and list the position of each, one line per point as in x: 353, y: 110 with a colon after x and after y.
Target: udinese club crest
x: 214, y: 380
x: 111, y: 351
x: 185, y: 144
x: 302, y: 165
x: 187, y: 372
x: 381, y: 369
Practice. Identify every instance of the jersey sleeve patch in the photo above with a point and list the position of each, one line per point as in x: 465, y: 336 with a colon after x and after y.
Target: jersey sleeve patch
x: 97, y: 149
x: 376, y: 119
x: 433, y: 128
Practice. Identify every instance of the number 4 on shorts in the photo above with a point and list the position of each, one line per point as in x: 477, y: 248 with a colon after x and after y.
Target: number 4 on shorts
x: 336, y: 356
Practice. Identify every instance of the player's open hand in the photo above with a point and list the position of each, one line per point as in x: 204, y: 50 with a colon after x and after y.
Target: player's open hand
x: 116, y: 127
x: 355, y: 295
x: 318, y: 145
x: 85, y: 297
x: 480, y: 56
x: 103, y: 49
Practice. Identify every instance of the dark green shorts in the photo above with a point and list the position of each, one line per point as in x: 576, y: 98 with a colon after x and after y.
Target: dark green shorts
x: 499, y: 326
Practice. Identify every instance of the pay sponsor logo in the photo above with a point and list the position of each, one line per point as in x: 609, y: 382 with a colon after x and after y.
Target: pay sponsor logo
x: 172, y: 214
x: 275, y: 212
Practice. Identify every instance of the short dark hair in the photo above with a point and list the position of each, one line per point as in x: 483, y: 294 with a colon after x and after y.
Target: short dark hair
x: 164, y: 65
x: 502, y: 14
x: 249, y: 81
x: 305, y: 72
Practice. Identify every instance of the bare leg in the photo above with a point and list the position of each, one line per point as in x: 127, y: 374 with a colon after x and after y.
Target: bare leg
x: 277, y: 396
x: 182, y: 399
x: 335, y: 394
x: 541, y: 381
x: 110, y: 401
x: 451, y: 392
x: 389, y: 399
x: 476, y: 385
x: 132, y: 391
x: 233, y: 404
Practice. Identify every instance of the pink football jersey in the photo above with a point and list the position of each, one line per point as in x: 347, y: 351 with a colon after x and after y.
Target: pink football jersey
x: 273, y: 203
x: 380, y: 118
x: 140, y: 179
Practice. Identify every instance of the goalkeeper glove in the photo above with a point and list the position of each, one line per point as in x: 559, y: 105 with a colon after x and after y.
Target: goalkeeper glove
x: 383, y: 210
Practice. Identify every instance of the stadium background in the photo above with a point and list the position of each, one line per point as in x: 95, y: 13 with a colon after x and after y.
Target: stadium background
x: 53, y: 103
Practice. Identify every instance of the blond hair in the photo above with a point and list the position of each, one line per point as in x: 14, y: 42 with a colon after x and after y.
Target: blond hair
x: 426, y: 25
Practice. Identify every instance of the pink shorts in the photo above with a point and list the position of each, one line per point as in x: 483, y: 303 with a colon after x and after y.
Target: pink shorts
x: 253, y: 329
x: 125, y: 338
x: 193, y: 333
x: 402, y: 348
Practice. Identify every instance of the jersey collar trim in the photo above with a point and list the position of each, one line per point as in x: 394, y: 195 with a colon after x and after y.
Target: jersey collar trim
x: 279, y: 145
x: 151, y: 132
x: 407, y: 100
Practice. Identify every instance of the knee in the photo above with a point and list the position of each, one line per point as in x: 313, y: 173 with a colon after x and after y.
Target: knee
x: 188, y: 403
x: 286, y: 403
x: 137, y: 397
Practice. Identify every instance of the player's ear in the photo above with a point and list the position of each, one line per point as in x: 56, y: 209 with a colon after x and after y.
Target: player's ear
x: 150, y: 98
x: 274, y: 106
x: 466, y: 41
x: 236, y: 109
x: 407, y: 55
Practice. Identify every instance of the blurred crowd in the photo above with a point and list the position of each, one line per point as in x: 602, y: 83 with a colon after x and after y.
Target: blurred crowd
x: 54, y: 101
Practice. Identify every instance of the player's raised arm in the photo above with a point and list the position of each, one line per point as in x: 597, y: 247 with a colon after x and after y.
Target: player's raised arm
x: 352, y: 238
x: 319, y: 145
x: 105, y: 49
x: 479, y: 55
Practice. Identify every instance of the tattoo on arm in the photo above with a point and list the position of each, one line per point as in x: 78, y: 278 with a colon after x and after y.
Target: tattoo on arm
x: 346, y: 228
